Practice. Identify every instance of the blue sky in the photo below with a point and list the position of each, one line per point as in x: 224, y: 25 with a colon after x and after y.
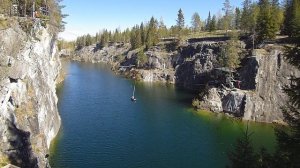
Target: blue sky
x: 90, y: 16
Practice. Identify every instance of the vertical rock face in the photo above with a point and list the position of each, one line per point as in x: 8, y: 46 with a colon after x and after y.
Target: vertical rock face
x: 29, y: 118
x: 270, y: 74
x: 196, y: 62
x: 263, y: 77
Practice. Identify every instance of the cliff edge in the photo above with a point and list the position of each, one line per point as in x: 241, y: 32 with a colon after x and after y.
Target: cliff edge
x: 29, y: 118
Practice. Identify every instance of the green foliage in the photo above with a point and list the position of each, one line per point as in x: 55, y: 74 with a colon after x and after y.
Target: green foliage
x: 208, y: 21
x: 143, y: 33
x: 62, y: 44
x: 249, y: 16
x: 243, y: 155
x: 227, y: 20
x: 237, y: 19
x: 141, y: 59
x: 196, y: 103
x: 212, y: 24
x: 269, y: 21
x: 135, y: 38
x: 288, y: 151
x: 162, y: 29
x: 105, y: 38
x: 265, y: 159
x: 180, y: 20
x: 230, y: 54
x: 292, y: 18
x: 196, y: 22
x: 152, y: 35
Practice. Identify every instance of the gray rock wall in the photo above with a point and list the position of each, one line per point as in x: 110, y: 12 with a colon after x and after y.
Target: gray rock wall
x: 263, y: 78
x: 29, y: 118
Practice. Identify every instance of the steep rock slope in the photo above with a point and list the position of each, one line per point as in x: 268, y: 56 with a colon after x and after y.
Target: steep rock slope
x: 261, y: 96
x: 29, y: 118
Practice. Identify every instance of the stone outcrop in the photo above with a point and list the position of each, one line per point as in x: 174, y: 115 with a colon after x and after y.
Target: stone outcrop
x: 195, y: 63
x: 263, y: 78
x: 29, y: 118
x: 109, y: 54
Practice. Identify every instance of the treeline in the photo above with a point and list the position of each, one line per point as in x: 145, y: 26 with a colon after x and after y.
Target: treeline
x: 262, y: 20
x: 48, y: 10
x: 147, y: 34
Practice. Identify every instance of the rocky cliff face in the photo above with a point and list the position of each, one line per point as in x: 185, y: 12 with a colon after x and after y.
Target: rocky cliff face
x: 261, y: 95
x: 29, y: 118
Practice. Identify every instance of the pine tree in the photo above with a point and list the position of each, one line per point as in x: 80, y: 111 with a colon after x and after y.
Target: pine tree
x: 288, y: 151
x: 196, y: 22
x: 88, y: 40
x: 228, y: 15
x: 230, y: 52
x: 180, y: 20
x: 243, y: 155
x: 152, y: 37
x: 213, y: 24
x: 264, y: 23
x: 245, y: 24
x: 295, y: 20
x: 276, y: 18
x: 162, y: 28
x: 249, y: 17
x: 208, y: 20
x: 237, y: 19
x: 135, y: 37
x: 143, y: 34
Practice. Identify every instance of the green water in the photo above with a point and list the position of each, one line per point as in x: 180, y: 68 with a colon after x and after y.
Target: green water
x: 101, y: 127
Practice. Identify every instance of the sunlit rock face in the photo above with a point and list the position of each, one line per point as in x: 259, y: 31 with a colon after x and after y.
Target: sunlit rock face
x: 261, y: 96
x: 29, y: 118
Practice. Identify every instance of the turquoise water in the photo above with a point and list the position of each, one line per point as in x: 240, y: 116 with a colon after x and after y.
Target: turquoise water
x: 101, y: 127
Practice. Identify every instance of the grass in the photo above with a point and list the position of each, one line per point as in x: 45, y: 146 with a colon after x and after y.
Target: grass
x: 4, y: 161
x: 205, y: 34
x: 3, y: 24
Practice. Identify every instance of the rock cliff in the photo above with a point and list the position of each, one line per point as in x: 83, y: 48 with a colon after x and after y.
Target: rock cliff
x: 260, y: 96
x: 29, y: 118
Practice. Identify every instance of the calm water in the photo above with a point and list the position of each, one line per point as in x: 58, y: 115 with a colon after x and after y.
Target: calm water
x: 101, y: 127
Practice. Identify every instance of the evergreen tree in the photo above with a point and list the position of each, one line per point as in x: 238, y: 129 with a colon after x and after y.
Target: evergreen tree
x: 249, y: 16
x: 162, y: 28
x: 208, y: 20
x: 230, y: 55
x: 287, y: 18
x: 104, y: 39
x: 228, y: 15
x: 135, y: 37
x: 243, y: 155
x: 180, y: 20
x: 213, y: 24
x: 288, y: 152
x: 88, y: 40
x: 143, y: 33
x: 152, y: 37
x: 276, y: 17
x: 295, y: 20
x: 237, y: 19
x: 264, y: 23
x: 264, y: 160
x: 196, y: 22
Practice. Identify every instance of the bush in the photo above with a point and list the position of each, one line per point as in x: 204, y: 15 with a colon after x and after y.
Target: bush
x: 196, y: 104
